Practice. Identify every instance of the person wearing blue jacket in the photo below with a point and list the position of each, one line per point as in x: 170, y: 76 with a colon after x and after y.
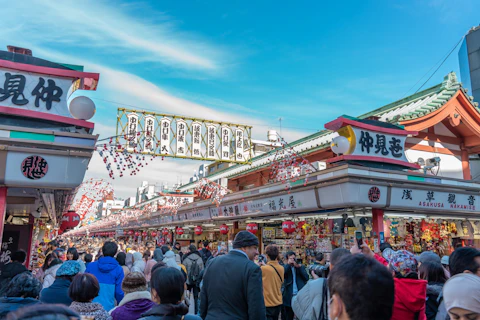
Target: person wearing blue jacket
x: 109, y: 274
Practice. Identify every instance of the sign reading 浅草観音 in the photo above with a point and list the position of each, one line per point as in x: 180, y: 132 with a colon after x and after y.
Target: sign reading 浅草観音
x: 34, y: 92
x: 369, y: 140
x: 433, y: 200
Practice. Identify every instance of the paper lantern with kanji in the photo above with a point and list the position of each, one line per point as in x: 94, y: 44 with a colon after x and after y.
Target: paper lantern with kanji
x: 223, y: 229
x: 137, y: 233
x: 144, y: 234
x: 179, y: 231
x: 165, y: 231
x: 70, y: 220
x: 153, y: 234
x: 130, y: 232
x: 252, y: 228
x: 198, y: 230
x: 288, y: 226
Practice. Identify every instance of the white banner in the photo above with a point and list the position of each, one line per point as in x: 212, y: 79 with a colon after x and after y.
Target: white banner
x: 225, y: 143
x: 165, y: 136
x: 149, y: 143
x: 181, y: 136
x: 196, y: 140
x: 239, y: 145
x: 132, y: 130
x: 211, y: 141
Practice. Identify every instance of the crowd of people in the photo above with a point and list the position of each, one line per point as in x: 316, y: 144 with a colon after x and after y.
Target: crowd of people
x: 117, y: 280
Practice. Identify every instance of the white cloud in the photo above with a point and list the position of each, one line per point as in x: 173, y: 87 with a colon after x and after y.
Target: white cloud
x: 91, y: 25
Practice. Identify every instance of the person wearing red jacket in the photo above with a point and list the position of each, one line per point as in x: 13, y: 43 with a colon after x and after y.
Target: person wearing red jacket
x: 410, y: 292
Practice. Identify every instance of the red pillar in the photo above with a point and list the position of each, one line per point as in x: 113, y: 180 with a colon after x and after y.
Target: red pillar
x: 3, y: 210
x: 377, y: 223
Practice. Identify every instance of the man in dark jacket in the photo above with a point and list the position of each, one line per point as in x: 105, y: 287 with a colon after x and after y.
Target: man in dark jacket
x: 110, y: 276
x: 205, y: 253
x: 232, y: 285
x: 11, y: 269
x: 295, y: 279
x: 194, y: 265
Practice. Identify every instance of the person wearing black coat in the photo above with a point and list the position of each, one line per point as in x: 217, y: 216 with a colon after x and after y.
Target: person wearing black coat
x: 10, y: 270
x: 296, y: 278
x: 232, y: 285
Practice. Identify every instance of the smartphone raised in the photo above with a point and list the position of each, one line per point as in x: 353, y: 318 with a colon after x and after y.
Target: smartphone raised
x: 359, y: 239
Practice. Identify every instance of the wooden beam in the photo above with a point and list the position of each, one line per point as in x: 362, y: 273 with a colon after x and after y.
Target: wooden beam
x: 446, y: 151
x: 452, y: 129
x: 438, y: 138
x: 471, y: 141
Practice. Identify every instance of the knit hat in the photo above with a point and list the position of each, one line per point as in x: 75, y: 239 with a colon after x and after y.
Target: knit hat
x: 428, y: 256
x: 68, y: 268
x: 134, y: 281
x: 462, y: 291
x: 445, y: 260
x: 401, y: 261
x: 245, y: 239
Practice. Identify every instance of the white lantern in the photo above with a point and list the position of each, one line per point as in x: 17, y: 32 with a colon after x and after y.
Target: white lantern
x: 82, y: 108
x: 340, y: 145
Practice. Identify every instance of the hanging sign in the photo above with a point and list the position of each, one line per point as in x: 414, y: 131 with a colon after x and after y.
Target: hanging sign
x: 211, y: 141
x: 196, y: 140
x: 181, y: 135
x: 132, y: 129
x: 369, y: 140
x: 34, y: 167
x: 239, y: 145
x: 225, y: 143
x: 149, y: 134
x: 165, y: 136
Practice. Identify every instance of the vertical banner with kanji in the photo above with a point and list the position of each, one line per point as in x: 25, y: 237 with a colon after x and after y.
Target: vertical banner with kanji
x: 148, y: 144
x: 225, y: 143
x: 181, y: 133
x: 165, y: 136
x: 196, y: 139
x: 239, y: 145
x: 211, y: 139
x: 132, y: 131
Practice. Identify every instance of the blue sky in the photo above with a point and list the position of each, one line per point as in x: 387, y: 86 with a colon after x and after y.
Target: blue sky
x: 252, y: 62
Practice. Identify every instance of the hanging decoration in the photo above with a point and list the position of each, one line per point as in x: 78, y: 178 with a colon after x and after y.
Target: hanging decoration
x: 198, y: 230
x: 288, y: 226
x: 287, y: 166
x: 165, y: 231
x: 144, y: 234
x: 223, y: 229
x: 153, y: 234
x: 252, y: 228
x: 180, y: 231
x: 207, y: 189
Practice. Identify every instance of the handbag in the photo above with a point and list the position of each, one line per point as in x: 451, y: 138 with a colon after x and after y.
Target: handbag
x: 324, y: 308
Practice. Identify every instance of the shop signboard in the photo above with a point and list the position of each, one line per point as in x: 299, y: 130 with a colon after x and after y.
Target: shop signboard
x: 432, y: 199
x: 44, y: 170
x: 290, y: 202
x: 34, y: 92
x: 198, y: 215
x: 353, y: 194
x: 182, y: 137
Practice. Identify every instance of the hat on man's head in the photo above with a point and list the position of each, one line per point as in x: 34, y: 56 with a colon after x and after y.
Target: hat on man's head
x: 445, y: 260
x: 428, y: 256
x: 245, y: 239
x: 401, y: 261
x: 133, y: 282
x: 68, y: 268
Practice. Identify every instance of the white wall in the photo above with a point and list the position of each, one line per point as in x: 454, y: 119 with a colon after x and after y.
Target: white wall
x: 450, y: 166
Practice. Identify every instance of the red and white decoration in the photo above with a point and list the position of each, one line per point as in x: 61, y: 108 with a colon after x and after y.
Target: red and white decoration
x: 198, y: 230
x: 252, y: 228
x: 224, y: 229
x: 288, y: 226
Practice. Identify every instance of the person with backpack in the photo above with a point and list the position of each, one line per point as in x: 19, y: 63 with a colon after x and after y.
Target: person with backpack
x: 205, y: 253
x: 194, y: 264
x: 272, y: 278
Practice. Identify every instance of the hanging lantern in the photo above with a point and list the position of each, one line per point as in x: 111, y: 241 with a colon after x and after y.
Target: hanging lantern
x: 144, y: 234
x: 153, y: 234
x: 165, y: 231
x: 223, y: 229
x: 130, y: 232
x: 288, y: 226
x: 198, y: 230
x: 137, y: 233
x: 70, y: 220
x: 179, y: 230
x: 252, y: 228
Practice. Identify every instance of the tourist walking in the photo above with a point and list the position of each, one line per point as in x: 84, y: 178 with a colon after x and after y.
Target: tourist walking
x: 461, y: 294
x: 434, y: 274
x: 121, y: 256
x: 72, y: 254
x: 23, y: 290
x: 11, y: 269
x: 51, y: 272
x: 138, y: 263
x: 272, y: 279
x: 83, y: 290
x: 137, y: 299
x: 110, y: 276
x: 194, y: 265
x: 295, y: 279
x: 232, y: 284
x: 58, y: 291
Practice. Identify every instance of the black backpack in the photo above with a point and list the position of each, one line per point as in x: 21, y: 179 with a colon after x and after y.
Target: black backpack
x: 194, y: 274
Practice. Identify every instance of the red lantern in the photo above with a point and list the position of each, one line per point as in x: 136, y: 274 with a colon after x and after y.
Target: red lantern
x: 153, y: 234
x: 198, y: 230
x: 130, y: 232
x: 252, y: 228
x: 165, y: 231
x: 288, y: 226
x: 137, y: 233
x: 223, y: 229
x: 144, y: 234
x: 70, y: 220
x: 179, y: 231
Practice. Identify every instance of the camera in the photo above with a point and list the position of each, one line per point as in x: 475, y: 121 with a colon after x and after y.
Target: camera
x: 262, y: 258
x: 320, y: 270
